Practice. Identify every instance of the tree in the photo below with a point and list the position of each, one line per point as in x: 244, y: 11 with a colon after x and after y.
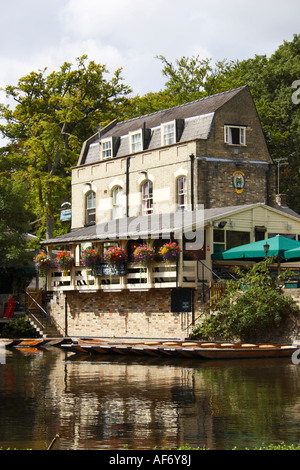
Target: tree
x: 52, y: 117
x: 193, y: 78
x: 14, y: 224
x: 275, y: 86
x: 251, y: 306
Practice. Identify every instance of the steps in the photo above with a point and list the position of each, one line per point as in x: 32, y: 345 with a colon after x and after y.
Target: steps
x: 44, y: 326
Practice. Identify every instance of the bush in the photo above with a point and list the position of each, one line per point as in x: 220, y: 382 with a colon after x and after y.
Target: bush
x: 252, y: 304
x: 19, y: 328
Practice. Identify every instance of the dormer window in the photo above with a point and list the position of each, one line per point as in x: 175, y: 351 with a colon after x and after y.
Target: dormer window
x: 168, y: 133
x: 235, y: 135
x: 106, y: 149
x: 136, y: 141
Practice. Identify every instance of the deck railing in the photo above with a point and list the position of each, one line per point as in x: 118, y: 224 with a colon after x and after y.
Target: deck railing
x: 157, y: 275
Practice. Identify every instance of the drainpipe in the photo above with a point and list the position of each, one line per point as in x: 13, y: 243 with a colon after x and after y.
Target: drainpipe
x: 127, y: 186
x: 192, y: 157
x: 66, y: 316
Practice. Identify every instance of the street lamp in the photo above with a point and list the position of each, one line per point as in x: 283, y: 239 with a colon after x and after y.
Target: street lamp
x: 266, y: 248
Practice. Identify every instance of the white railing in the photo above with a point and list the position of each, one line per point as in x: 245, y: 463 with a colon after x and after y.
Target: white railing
x: 157, y: 275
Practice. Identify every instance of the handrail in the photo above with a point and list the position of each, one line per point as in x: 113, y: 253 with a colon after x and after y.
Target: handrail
x: 36, y: 319
x: 40, y: 307
x: 215, y: 274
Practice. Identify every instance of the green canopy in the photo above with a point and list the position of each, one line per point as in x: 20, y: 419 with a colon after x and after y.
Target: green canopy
x: 278, y: 246
x: 293, y: 253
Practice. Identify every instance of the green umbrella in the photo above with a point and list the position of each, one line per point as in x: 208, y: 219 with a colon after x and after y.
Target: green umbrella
x: 276, y: 246
x: 293, y: 253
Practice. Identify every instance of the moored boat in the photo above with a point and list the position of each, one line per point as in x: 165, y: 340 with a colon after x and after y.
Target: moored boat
x: 183, y: 349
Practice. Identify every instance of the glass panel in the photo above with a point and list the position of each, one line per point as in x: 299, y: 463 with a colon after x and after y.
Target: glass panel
x: 136, y: 142
x: 117, y: 202
x: 91, y: 200
x: 182, y: 193
x: 235, y: 238
x: 107, y: 149
x: 219, y: 236
x: 147, y: 191
x: 168, y: 134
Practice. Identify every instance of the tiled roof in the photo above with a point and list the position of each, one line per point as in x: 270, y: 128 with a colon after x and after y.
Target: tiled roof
x: 145, y: 226
x: 197, y: 115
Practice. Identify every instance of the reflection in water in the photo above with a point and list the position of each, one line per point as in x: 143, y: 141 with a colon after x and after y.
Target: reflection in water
x: 104, y: 402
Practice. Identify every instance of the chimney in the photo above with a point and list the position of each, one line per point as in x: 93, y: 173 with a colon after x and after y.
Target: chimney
x: 281, y: 200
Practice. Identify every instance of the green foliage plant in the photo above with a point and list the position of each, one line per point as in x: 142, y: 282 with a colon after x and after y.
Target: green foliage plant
x: 252, y: 304
x: 19, y: 328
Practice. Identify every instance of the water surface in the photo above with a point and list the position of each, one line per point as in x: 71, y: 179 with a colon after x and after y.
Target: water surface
x: 106, y: 402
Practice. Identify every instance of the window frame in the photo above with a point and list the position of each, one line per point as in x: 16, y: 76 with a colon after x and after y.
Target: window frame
x: 117, y: 202
x: 147, y: 198
x: 181, y: 193
x: 90, y: 211
x: 228, y: 138
x: 132, y: 144
x: 103, y: 151
x: 165, y: 140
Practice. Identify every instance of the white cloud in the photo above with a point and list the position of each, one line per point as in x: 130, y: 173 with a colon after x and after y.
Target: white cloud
x: 130, y: 33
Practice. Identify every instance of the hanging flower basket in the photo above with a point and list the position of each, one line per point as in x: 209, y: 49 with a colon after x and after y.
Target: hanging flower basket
x: 90, y: 258
x: 64, y: 261
x: 115, y: 255
x: 143, y: 255
x: 42, y: 262
x: 169, y: 252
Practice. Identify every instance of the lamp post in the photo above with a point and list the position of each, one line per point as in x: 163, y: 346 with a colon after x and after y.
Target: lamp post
x: 266, y: 248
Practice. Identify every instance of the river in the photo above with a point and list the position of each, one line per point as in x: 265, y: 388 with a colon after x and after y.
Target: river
x: 106, y: 402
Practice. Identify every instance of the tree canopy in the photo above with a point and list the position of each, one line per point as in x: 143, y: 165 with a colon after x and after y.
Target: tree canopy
x: 14, y: 224
x: 54, y: 113
x: 52, y: 116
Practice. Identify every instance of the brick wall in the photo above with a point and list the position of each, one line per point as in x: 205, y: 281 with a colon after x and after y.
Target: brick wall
x: 119, y: 314
x: 218, y: 160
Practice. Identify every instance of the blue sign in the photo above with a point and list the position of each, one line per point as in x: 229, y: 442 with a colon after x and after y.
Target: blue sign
x: 65, y: 215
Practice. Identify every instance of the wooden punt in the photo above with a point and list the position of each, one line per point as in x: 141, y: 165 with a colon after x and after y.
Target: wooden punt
x: 30, y: 343
x: 247, y: 352
x: 183, y: 349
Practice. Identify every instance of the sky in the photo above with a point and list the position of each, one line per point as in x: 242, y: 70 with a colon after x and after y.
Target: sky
x: 130, y: 34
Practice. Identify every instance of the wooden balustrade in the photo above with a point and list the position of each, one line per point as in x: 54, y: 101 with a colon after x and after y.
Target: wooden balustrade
x: 156, y: 275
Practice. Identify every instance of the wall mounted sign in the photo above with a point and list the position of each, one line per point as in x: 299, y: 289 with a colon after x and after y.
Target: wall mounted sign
x: 238, y: 179
x: 105, y: 269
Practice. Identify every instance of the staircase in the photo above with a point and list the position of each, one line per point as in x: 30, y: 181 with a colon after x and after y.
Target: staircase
x: 39, y: 318
x: 44, y: 326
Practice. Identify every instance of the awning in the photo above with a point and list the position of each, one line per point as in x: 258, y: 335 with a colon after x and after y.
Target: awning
x: 278, y: 246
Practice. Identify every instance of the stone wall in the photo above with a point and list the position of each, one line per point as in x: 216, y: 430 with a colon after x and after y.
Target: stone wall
x: 119, y: 314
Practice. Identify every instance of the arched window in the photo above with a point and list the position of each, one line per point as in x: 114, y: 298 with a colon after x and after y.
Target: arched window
x: 182, y: 193
x: 90, y: 208
x: 147, y: 198
x: 117, y: 201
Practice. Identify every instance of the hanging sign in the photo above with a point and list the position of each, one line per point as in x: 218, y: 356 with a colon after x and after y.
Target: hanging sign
x: 65, y: 215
